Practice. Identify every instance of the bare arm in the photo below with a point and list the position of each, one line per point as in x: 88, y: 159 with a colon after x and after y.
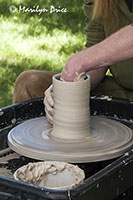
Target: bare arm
x: 97, y: 76
x: 117, y: 47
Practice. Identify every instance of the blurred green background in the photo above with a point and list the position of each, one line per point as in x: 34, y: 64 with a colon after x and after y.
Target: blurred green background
x: 32, y: 41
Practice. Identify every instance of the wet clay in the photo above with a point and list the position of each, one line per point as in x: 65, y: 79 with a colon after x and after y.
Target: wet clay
x: 71, y: 108
x: 11, y: 156
x: 50, y: 174
x: 74, y: 136
x: 108, y: 139
x: 4, y: 171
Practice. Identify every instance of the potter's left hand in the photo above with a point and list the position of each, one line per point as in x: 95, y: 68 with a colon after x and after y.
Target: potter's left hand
x: 49, y: 104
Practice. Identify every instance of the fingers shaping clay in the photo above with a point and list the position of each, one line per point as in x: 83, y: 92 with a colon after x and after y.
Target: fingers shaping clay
x: 74, y: 136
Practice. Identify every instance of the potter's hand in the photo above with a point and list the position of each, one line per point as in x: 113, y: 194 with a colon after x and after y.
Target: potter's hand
x: 101, y: 55
x: 72, y: 68
x: 49, y: 104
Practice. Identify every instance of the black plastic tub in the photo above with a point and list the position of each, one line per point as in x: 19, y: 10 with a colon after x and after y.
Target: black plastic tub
x: 106, y: 180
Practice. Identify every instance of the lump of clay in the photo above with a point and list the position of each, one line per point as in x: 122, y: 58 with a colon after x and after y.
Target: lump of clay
x: 80, y: 77
x: 52, y: 175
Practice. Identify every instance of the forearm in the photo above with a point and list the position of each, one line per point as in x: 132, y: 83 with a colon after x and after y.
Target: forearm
x: 97, y: 76
x: 117, y: 47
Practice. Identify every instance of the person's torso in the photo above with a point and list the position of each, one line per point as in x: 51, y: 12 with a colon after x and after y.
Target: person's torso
x: 123, y: 71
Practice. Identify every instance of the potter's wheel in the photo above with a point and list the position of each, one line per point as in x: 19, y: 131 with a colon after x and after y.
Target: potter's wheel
x: 109, y: 139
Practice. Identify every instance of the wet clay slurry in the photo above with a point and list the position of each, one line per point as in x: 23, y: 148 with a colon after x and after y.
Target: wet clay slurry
x: 74, y: 137
x: 53, y: 175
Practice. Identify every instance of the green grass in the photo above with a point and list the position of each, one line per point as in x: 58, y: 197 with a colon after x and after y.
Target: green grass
x: 32, y: 41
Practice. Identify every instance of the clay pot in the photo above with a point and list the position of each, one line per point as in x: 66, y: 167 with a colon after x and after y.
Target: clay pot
x: 71, y: 109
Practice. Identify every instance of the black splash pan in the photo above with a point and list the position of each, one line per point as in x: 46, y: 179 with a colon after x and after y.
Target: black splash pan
x: 106, y: 180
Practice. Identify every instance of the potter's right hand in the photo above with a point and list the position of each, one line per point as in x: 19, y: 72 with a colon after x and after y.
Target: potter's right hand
x: 49, y: 104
